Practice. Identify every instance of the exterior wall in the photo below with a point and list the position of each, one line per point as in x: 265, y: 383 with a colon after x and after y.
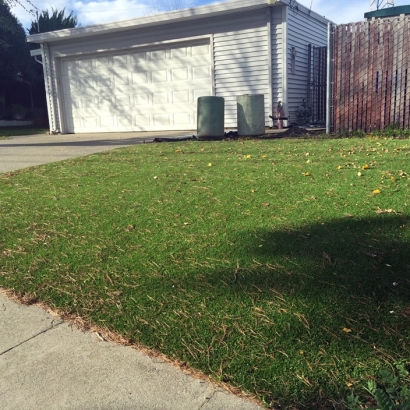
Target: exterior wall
x: 302, y: 29
x: 251, y: 54
x: 240, y: 53
x: 241, y: 63
x: 277, y: 56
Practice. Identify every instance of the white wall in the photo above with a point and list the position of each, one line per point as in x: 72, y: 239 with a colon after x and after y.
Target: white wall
x: 240, y: 52
x: 241, y: 62
x: 302, y: 29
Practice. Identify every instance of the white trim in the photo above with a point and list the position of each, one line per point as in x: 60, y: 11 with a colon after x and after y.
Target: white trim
x: 150, y: 21
x: 59, y: 59
x: 48, y: 80
x: 212, y: 64
x: 120, y: 50
x: 285, y: 60
x: 36, y: 52
x: 270, y: 78
x: 60, y: 99
x: 302, y: 9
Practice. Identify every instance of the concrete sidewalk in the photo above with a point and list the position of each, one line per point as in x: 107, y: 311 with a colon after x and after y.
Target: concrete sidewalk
x: 25, y: 151
x: 46, y: 363
x: 49, y: 364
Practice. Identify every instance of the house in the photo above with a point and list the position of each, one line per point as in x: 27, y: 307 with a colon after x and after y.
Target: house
x: 146, y: 73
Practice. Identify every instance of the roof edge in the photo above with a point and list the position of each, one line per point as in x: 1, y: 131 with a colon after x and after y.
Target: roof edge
x: 151, y: 20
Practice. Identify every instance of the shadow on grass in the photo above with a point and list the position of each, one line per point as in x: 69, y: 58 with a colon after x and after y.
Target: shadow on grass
x: 294, y: 315
x: 339, y: 292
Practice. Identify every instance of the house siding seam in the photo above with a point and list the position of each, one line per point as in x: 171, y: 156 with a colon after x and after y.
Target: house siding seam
x: 241, y: 64
x: 302, y: 31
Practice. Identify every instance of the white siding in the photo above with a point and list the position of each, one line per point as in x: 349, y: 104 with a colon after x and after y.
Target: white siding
x: 241, y: 62
x: 302, y: 30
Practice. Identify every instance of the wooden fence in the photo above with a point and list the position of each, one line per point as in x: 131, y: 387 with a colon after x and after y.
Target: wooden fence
x: 371, y: 87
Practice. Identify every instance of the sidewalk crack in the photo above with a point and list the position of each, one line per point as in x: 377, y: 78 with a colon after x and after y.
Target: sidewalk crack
x: 53, y: 325
x: 207, y: 399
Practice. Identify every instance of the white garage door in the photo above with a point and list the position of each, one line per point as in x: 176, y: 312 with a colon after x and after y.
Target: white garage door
x: 144, y: 90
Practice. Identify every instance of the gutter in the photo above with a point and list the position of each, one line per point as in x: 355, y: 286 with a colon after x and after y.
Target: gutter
x: 160, y: 19
x: 36, y: 54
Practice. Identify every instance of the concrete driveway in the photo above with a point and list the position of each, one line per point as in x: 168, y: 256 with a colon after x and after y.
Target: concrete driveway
x: 26, y: 151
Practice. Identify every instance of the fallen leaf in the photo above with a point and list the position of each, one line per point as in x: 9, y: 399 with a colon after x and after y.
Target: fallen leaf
x: 365, y: 166
x: 377, y: 191
x: 264, y: 156
x: 307, y: 174
x: 385, y: 211
x: 347, y: 330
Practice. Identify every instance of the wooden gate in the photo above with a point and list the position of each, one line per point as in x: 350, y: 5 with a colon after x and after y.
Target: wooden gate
x: 371, y: 87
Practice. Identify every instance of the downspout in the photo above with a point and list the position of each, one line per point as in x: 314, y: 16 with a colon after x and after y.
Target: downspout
x: 329, y: 86
x: 269, y: 30
x: 285, y: 62
x: 45, y: 52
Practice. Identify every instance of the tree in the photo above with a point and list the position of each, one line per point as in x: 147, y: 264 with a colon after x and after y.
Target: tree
x: 45, y: 22
x: 14, y: 57
x: 58, y: 20
x: 12, y: 44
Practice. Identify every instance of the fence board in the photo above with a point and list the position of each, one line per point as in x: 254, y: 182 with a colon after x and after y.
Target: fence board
x: 371, y: 74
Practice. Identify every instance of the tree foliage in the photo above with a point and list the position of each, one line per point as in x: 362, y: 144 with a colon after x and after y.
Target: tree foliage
x: 57, y: 20
x: 13, y: 51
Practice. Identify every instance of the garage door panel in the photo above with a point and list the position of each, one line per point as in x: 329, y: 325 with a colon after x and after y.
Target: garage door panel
x: 181, y: 96
x: 140, y: 90
x: 158, y: 55
x: 159, y: 76
x: 140, y: 77
x: 142, y: 99
x: 201, y: 72
x: 200, y: 50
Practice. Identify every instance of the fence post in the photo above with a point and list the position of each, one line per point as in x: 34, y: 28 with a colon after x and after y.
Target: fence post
x: 329, y: 86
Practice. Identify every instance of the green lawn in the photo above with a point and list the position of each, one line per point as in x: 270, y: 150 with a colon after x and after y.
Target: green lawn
x: 281, y: 267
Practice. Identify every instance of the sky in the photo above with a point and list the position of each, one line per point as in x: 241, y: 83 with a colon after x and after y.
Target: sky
x: 103, y: 11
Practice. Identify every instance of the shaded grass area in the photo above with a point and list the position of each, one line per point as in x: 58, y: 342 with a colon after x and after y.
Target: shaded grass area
x: 6, y: 132
x: 281, y: 267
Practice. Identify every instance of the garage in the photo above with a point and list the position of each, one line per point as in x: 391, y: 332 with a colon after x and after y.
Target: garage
x: 148, y: 88
x: 146, y: 73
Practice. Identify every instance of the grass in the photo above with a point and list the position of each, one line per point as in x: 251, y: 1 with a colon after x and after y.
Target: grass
x: 280, y: 267
x: 6, y: 132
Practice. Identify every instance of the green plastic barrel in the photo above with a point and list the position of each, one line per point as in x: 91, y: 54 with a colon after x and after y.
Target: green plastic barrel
x: 251, y: 114
x: 210, y: 121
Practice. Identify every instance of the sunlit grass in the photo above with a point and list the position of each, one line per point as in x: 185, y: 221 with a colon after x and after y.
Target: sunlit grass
x: 278, y: 266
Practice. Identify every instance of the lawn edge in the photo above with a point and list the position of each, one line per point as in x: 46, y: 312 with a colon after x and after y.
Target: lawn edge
x: 105, y: 335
